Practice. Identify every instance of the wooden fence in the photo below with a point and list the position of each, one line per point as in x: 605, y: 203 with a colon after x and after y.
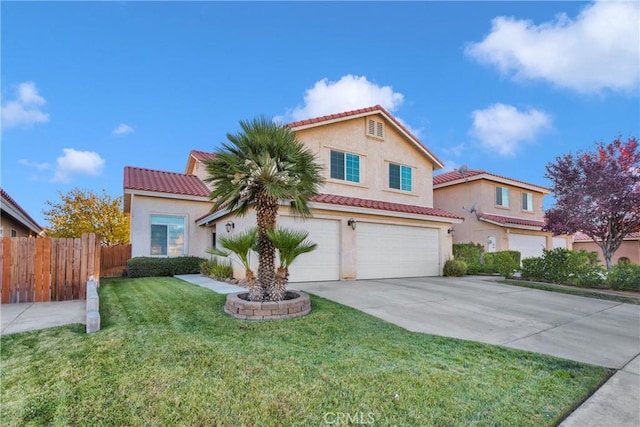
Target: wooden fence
x: 40, y: 270
x: 113, y: 260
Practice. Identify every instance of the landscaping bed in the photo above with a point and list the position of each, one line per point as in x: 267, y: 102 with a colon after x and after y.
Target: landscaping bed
x: 167, y: 354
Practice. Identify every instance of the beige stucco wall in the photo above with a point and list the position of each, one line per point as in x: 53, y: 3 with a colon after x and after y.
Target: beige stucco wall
x: 7, y: 223
x: 629, y: 249
x: 350, y: 136
x: 197, y: 238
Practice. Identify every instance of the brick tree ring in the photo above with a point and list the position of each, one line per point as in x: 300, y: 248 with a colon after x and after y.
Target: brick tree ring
x: 295, y: 304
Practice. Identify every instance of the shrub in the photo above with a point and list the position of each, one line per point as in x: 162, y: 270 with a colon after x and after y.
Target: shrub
x: 505, y: 262
x: 471, y: 254
x: 624, y: 277
x: 454, y: 268
x: 562, y: 265
x: 152, y: 267
x: 590, y: 275
x: 488, y: 263
x: 218, y: 270
x: 533, y: 268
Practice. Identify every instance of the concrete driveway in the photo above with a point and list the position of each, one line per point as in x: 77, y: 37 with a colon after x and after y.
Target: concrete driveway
x: 594, y: 331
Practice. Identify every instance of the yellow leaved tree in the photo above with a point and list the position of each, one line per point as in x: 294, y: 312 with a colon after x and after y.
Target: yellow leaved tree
x: 80, y: 212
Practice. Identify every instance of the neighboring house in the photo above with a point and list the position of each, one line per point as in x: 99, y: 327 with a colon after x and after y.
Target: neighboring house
x: 15, y: 221
x: 374, y: 217
x: 500, y: 213
x: 628, y: 251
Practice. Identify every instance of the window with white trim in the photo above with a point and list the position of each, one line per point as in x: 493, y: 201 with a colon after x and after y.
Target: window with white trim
x: 400, y: 177
x: 375, y: 128
x: 167, y: 235
x: 345, y: 166
x: 527, y: 202
x: 502, y: 197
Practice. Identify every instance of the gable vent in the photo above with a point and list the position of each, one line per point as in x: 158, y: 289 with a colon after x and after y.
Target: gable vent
x: 375, y: 128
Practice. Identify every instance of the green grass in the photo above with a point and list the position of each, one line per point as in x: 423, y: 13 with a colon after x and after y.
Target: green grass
x: 168, y: 355
x: 572, y: 290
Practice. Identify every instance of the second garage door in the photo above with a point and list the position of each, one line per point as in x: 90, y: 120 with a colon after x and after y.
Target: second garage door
x: 529, y: 246
x: 323, y: 263
x: 386, y: 251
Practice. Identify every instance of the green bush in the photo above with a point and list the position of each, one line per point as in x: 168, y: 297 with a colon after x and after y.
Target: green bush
x: 471, y: 254
x: 533, y: 268
x: 590, y: 275
x: 488, y: 263
x: 505, y: 262
x: 564, y: 266
x: 454, y: 268
x: 624, y: 276
x: 153, y: 267
x: 218, y: 270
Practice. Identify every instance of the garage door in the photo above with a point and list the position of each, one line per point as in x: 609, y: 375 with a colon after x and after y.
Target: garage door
x: 559, y: 242
x: 529, y: 246
x: 324, y: 262
x: 385, y: 251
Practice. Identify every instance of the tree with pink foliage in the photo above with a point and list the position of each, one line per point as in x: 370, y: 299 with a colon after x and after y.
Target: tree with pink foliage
x: 598, y: 194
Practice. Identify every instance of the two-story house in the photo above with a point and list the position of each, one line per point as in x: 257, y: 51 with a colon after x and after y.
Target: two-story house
x: 500, y: 213
x: 14, y: 220
x: 374, y: 218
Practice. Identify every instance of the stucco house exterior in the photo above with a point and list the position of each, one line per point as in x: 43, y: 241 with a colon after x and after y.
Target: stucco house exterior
x: 500, y: 213
x: 14, y: 220
x: 628, y: 251
x: 375, y: 216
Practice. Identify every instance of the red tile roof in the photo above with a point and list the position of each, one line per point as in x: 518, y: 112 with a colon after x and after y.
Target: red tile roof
x: 581, y: 237
x: 505, y: 220
x: 453, y: 176
x: 202, y: 155
x: 164, y: 182
x: 385, y: 206
x: 19, y: 208
x: 375, y: 108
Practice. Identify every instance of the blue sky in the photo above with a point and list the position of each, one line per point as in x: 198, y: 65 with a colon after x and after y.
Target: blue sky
x: 90, y: 87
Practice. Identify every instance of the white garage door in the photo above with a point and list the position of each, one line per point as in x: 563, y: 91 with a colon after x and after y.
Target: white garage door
x: 559, y: 242
x: 324, y: 262
x: 529, y: 246
x: 385, y: 251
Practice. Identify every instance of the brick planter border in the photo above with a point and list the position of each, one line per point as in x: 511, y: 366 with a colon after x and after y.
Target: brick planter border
x: 240, y: 308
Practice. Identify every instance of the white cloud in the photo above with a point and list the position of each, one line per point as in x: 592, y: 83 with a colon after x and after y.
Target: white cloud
x: 349, y: 93
x: 122, y: 129
x: 75, y: 162
x: 597, y: 50
x: 455, y: 150
x: 503, y: 129
x: 449, y: 166
x: 34, y: 165
x: 25, y: 109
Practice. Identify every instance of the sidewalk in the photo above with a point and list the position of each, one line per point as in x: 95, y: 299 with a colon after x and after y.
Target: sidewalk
x: 33, y: 316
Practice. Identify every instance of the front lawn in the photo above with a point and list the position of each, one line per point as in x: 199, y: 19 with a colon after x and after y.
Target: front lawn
x: 168, y: 355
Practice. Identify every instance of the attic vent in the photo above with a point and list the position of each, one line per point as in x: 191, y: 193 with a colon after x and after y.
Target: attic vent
x: 374, y: 128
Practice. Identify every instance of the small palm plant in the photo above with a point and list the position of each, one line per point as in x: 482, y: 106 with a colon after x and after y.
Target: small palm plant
x: 241, y: 244
x: 290, y: 244
x: 261, y: 166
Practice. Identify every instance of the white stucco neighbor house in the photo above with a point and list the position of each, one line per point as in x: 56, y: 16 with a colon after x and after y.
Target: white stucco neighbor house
x: 374, y: 217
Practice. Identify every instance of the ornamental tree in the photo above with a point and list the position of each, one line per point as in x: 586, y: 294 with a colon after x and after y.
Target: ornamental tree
x: 81, y: 211
x: 598, y: 194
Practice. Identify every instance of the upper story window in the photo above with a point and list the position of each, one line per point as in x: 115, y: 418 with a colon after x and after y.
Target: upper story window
x: 502, y: 197
x: 167, y: 235
x: 527, y: 202
x: 345, y: 166
x: 375, y: 128
x: 400, y: 177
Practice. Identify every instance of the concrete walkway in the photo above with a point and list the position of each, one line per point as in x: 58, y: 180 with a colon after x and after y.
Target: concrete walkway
x: 599, y: 332
x: 212, y: 285
x: 40, y: 315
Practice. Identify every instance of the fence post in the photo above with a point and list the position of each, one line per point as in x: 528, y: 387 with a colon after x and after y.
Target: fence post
x: 93, y: 306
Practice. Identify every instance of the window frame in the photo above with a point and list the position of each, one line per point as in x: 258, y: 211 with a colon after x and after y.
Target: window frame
x: 347, y: 170
x: 401, y: 177
x: 168, y: 253
x: 527, y: 199
x: 504, y: 197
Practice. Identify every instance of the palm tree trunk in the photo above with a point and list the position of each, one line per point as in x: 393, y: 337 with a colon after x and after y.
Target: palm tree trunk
x: 266, y: 212
x: 279, y: 289
x: 255, y: 290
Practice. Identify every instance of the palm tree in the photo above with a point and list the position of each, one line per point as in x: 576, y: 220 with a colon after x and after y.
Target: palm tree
x: 241, y: 245
x: 262, y: 165
x: 290, y: 244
